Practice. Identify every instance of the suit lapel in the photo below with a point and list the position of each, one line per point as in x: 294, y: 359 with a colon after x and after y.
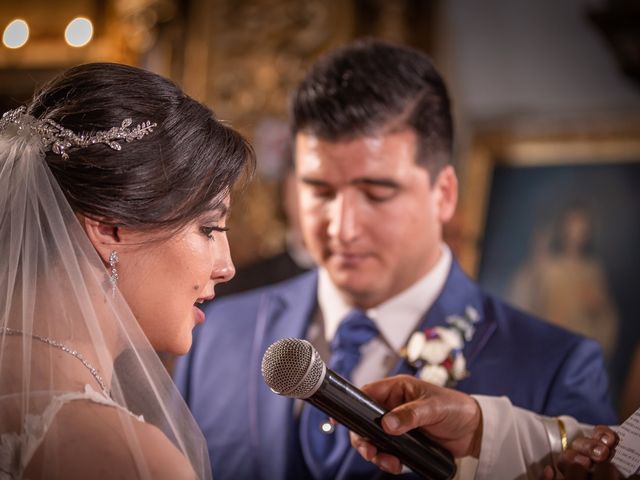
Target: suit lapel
x: 284, y: 311
x: 458, y: 294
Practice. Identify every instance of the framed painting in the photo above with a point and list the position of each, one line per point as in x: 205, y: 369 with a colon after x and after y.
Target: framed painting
x: 552, y: 225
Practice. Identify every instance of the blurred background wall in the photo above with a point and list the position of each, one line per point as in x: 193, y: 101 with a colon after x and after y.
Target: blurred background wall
x: 546, y: 95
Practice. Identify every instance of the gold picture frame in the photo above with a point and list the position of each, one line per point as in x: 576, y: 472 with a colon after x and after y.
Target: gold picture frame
x: 493, y: 148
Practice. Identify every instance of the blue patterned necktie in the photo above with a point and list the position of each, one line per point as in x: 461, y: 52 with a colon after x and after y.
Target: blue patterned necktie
x: 324, y: 452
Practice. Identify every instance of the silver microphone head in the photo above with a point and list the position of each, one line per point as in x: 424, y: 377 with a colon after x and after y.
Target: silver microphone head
x: 293, y: 368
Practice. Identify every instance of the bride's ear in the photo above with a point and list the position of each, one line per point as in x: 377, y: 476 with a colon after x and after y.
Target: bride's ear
x: 103, y: 236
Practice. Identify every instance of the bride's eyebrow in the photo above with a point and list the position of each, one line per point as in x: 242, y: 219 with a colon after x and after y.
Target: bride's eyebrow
x: 222, y: 210
x: 216, y: 213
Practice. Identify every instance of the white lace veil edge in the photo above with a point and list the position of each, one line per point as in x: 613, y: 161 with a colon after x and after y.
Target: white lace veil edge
x: 67, y: 344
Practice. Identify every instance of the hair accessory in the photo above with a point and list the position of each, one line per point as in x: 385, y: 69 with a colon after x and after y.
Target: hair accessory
x: 113, y: 275
x: 59, y: 139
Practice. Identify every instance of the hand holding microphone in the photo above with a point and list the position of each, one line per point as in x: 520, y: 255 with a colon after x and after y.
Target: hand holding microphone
x: 452, y: 418
x: 293, y: 368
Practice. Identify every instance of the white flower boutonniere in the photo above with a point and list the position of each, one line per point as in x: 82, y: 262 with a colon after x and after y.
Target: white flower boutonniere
x: 436, y: 352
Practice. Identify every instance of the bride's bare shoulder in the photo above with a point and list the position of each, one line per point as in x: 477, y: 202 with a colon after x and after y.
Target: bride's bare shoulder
x: 90, y: 440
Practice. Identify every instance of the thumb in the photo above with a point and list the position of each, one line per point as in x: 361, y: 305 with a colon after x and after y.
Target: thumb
x: 418, y: 413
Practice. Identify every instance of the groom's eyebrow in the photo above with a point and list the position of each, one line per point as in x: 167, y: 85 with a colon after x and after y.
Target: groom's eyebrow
x: 376, y: 182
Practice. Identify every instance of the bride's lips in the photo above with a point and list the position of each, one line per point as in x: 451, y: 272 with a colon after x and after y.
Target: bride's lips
x: 197, y: 312
x: 198, y: 315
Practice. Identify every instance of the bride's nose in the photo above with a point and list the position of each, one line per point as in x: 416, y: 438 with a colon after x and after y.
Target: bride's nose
x: 223, y: 269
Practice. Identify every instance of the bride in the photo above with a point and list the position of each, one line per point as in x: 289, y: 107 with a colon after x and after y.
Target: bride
x: 114, y: 191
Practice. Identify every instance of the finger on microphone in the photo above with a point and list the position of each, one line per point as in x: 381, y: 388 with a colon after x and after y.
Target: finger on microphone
x: 365, y: 448
x: 408, y: 416
x: 388, y: 463
x: 390, y: 392
x: 370, y: 453
x: 379, y: 391
x: 392, y: 424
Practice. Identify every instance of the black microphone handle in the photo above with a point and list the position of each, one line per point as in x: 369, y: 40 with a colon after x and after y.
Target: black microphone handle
x: 351, y: 407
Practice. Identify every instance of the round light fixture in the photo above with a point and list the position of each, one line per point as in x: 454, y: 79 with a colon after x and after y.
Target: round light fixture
x: 16, y: 34
x: 79, y: 32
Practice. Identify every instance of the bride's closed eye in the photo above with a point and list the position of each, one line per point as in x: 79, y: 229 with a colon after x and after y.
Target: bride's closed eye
x: 208, y: 230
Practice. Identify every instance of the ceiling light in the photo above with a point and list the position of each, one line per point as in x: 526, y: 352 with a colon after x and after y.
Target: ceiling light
x: 16, y: 34
x: 79, y: 32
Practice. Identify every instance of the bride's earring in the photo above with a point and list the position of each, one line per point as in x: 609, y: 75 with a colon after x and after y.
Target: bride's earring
x: 113, y: 275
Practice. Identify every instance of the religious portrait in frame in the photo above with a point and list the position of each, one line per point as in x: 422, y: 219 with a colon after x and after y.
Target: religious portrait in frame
x: 553, y: 226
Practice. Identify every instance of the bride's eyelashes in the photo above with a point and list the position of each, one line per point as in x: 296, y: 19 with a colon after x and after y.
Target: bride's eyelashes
x: 208, y: 230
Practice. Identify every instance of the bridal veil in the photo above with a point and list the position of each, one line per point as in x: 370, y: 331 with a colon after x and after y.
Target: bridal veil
x: 68, y: 339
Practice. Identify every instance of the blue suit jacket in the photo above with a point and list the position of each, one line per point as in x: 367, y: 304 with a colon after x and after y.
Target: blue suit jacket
x: 251, y: 432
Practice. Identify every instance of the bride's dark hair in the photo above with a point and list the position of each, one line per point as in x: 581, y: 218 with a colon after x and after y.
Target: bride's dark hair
x: 167, y: 178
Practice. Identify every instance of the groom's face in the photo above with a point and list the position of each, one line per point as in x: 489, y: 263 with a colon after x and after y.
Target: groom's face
x: 369, y: 214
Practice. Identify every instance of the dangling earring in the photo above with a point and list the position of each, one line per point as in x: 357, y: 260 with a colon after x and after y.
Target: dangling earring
x: 113, y: 276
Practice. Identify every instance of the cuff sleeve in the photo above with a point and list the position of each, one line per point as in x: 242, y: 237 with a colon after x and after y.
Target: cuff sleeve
x: 517, y: 443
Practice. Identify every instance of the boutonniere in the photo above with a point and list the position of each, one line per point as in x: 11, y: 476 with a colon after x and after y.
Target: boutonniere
x: 436, y: 352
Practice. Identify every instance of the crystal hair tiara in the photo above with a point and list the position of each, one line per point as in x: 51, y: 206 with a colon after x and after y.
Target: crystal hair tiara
x: 59, y: 139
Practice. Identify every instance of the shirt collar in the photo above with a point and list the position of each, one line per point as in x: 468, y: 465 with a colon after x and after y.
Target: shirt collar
x: 397, y: 317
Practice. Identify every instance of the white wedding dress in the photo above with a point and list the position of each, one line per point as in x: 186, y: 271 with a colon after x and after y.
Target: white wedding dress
x: 16, y: 450
x: 61, y: 324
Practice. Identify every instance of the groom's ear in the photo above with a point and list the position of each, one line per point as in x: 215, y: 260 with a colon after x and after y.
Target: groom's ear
x: 104, y: 236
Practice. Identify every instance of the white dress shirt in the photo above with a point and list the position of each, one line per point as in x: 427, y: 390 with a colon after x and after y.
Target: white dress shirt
x: 396, y: 319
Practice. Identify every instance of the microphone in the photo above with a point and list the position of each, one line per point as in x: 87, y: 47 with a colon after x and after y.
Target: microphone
x: 293, y: 368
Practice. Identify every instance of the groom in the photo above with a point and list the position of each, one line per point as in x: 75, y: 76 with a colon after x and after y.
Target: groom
x: 373, y: 137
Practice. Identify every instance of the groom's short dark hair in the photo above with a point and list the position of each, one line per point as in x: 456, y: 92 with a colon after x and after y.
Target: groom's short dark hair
x: 371, y: 86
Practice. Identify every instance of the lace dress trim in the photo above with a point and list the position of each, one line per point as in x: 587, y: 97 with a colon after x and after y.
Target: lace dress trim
x: 16, y: 449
